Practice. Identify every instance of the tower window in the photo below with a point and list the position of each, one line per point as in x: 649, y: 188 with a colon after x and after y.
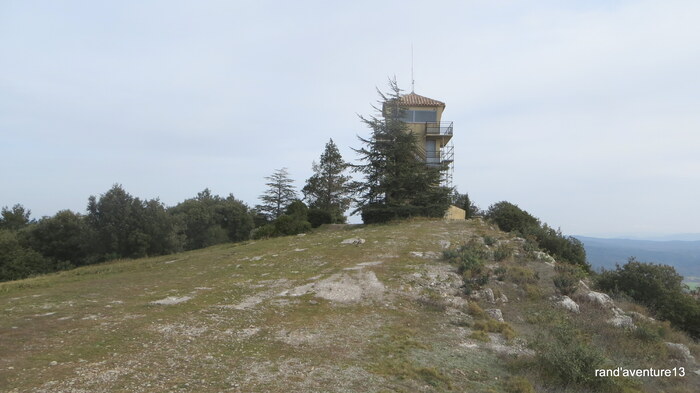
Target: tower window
x: 413, y: 116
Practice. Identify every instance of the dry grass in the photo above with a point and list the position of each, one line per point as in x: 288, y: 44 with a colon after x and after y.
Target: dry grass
x: 238, y: 332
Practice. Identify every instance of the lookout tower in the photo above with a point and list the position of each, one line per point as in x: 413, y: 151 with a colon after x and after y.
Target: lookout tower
x: 423, y: 116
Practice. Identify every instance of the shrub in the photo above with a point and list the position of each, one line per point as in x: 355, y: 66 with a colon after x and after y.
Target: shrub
x: 489, y: 240
x: 500, y: 273
x: 290, y: 225
x: 18, y: 261
x: 318, y: 217
x: 480, y: 335
x: 381, y: 213
x: 60, y: 238
x: 566, y: 284
x: 567, y: 357
x: 511, y: 218
x: 521, y: 275
x: 491, y: 325
x: 264, y: 232
x: 469, y: 259
x: 475, y: 310
x: 533, y: 292
x: 432, y: 300
x: 502, y: 252
x: 658, y: 287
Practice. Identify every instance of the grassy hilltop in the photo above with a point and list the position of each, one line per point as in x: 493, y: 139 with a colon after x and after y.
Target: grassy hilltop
x: 342, y: 309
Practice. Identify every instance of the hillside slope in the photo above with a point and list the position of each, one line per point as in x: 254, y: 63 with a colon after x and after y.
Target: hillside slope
x: 344, y: 309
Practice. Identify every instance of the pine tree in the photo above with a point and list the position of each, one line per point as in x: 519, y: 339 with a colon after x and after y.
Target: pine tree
x: 397, y: 182
x: 280, y: 193
x: 328, y: 189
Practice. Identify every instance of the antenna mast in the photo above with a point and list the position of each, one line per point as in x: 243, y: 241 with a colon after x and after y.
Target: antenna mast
x: 413, y: 81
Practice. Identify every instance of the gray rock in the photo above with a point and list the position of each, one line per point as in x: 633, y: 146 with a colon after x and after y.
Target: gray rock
x: 503, y: 298
x: 638, y: 316
x: 569, y: 304
x: 488, y: 295
x: 583, y: 285
x: 445, y: 244
x: 495, y: 313
x: 353, y: 240
x: 622, y: 321
x: 543, y: 256
x: 680, y: 352
x: 600, y: 299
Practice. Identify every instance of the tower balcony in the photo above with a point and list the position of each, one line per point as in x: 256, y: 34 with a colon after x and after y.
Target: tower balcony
x: 441, y: 156
x: 441, y: 128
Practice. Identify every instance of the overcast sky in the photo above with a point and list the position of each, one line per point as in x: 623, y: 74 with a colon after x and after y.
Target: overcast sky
x: 585, y: 113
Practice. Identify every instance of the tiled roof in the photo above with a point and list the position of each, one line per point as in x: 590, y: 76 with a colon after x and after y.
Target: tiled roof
x: 413, y: 99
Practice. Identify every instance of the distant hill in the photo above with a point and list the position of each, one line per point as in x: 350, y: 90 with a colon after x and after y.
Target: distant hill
x: 683, y: 255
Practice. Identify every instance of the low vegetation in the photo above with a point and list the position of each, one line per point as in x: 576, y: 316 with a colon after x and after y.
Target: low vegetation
x: 511, y: 218
x: 237, y: 317
x: 659, y: 287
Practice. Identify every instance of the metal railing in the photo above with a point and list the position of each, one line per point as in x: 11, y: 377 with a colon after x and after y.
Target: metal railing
x: 439, y: 128
x: 444, y: 155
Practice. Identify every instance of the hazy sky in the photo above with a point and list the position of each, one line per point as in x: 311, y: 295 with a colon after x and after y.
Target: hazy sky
x: 585, y: 113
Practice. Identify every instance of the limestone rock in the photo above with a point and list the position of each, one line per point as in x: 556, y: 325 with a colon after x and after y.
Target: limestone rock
x: 484, y: 294
x: 638, y: 316
x: 503, y: 298
x: 445, y: 244
x: 621, y: 320
x: 495, y: 313
x: 680, y: 352
x: 544, y: 257
x: 583, y: 285
x: 353, y: 240
x: 600, y: 299
x: 569, y: 304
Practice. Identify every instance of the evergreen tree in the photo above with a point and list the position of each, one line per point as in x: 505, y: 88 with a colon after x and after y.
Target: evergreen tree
x: 14, y: 219
x: 209, y: 219
x: 463, y: 201
x: 61, y: 238
x: 280, y: 193
x: 123, y: 226
x: 328, y: 189
x: 398, y: 183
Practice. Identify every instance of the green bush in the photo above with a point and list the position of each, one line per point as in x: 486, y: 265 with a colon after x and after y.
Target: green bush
x: 567, y: 357
x: 521, y: 275
x: 511, y: 218
x: 381, y: 213
x: 469, y: 259
x: 264, y: 232
x: 502, y: 252
x: 290, y: 225
x: 318, y: 217
x: 17, y: 261
x: 210, y: 219
x: 658, y: 287
x: 566, y: 284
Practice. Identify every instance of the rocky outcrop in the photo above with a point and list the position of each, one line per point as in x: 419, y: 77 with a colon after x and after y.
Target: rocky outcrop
x: 680, y: 352
x: 568, y: 304
x: 495, y: 313
x: 600, y: 299
x: 621, y: 320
